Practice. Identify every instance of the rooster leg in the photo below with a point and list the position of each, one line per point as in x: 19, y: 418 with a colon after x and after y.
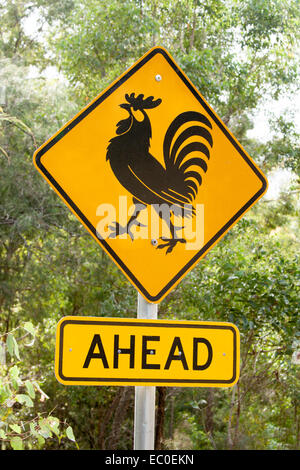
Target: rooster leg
x: 170, y: 243
x: 118, y: 229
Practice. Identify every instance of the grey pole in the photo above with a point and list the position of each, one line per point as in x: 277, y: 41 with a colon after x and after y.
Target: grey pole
x: 144, y: 410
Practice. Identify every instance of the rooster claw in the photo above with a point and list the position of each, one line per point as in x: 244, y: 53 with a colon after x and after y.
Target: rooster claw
x: 118, y: 229
x: 170, y: 243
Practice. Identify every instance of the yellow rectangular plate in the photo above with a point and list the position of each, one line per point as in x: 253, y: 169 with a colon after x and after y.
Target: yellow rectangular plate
x: 111, y: 351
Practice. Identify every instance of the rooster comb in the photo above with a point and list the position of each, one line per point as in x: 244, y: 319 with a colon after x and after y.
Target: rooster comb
x: 140, y: 103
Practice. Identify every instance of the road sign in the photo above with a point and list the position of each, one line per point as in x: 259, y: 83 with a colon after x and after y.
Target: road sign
x: 111, y: 351
x: 152, y: 173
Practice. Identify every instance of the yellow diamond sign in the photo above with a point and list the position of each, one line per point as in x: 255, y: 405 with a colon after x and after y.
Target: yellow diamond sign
x: 152, y: 172
x: 112, y: 351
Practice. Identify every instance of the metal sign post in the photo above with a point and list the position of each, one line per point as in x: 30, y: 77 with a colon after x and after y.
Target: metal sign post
x: 144, y: 410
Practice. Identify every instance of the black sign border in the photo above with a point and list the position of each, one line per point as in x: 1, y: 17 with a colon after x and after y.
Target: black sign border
x: 157, y: 323
x: 106, y: 246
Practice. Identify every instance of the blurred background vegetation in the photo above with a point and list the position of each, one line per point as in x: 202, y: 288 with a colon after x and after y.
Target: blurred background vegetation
x: 55, y: 56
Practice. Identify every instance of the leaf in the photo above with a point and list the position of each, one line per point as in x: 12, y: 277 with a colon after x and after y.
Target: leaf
x: 30, y: 388
x: 9, y: 402
x: 28, y: 326
x: 45, y: 430
x: 2, y: 434
x: 16, y: 428
x: 54, y: 425
x: 24, y: 399
x: 16, y: 349
x: 33, y: 430
x: 16, y: 443
x: 70, y: 434
x: 14, y: 372
x: 4, y: 152
x: 12, y: 346
x: 41, y: 440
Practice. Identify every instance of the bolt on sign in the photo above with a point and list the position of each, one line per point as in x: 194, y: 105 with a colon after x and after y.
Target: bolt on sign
x: 152, y: 172
x: 111, y: 351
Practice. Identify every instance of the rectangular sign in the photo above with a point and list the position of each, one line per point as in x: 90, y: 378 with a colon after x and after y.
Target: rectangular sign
x: 114, y: 351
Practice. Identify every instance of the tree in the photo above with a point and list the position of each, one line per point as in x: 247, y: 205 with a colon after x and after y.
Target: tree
x: 234, y: 52
x: 251, y: 279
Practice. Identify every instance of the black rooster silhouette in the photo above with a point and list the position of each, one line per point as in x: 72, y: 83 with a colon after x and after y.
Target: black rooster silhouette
x: 150, y: 183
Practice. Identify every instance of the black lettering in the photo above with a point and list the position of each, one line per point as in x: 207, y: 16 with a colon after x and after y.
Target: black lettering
x: 92, y: 355
x: 196, y: 366
x: 146, y: 351
x: 176, y: 357
x: 118, y: 351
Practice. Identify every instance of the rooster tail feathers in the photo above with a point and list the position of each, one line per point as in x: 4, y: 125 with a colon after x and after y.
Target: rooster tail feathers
x: 176, y: 154
x: 181, y: 119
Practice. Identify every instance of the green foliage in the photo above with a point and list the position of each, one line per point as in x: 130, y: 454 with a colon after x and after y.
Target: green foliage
x: 283, y: 149
x: 252, y: 279
x: 246, y: 280
x: 106, y: 38
x: 235, y: 52
x: 20, y: 426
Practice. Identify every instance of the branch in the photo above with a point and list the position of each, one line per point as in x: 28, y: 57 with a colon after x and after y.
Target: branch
x: 19, y: 124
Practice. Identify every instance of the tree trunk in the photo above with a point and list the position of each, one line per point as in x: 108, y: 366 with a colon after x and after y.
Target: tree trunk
x: 160, y: 418
x: 171, y: 422
x: 192, y: 37
x: 209, y: 414
x: 119, y: 416
x: 229, y: 431
x: 238, y: 413
x: 297, y: 421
